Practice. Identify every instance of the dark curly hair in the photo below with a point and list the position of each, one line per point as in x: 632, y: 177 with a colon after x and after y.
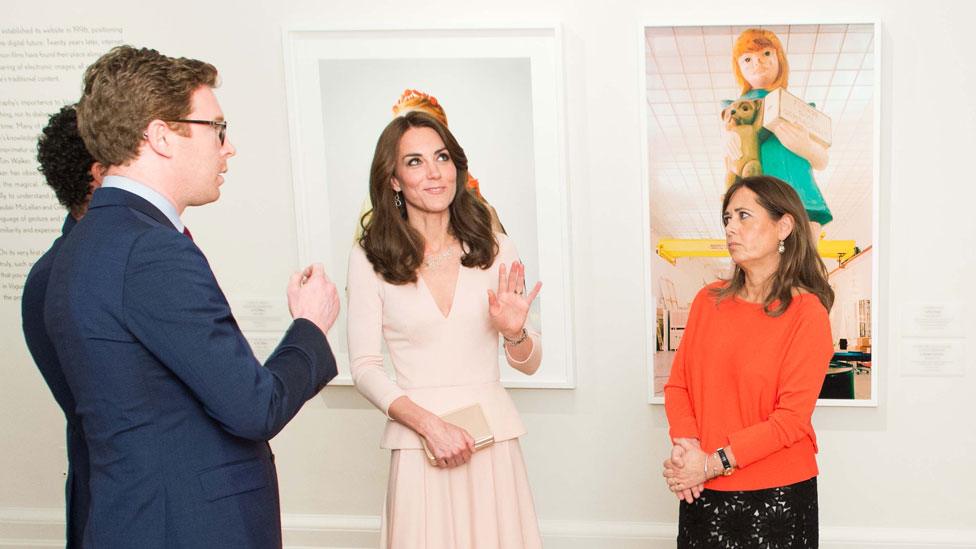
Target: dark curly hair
x: 64, y: 160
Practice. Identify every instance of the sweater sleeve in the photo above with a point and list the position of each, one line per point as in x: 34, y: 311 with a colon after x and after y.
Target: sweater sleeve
x: 677, y: 393
x: 365, y: 331
x: 807, y: 358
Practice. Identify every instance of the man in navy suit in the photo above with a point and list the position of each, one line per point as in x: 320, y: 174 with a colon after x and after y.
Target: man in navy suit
x: 71, y: 171
x: 177, y: 411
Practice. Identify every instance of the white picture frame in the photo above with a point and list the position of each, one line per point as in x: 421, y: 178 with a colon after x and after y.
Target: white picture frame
x: 479, y: 76
x: 652, y: 285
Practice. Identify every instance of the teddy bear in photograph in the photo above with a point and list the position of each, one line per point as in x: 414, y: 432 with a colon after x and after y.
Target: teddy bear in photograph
x: 744, y: 117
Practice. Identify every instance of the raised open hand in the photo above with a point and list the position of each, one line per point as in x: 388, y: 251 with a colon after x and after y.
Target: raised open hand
x: 509, y: 306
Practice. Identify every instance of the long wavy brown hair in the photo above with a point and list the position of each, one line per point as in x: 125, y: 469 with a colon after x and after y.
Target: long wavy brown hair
x: 800, y: 267
x: 392, y: 245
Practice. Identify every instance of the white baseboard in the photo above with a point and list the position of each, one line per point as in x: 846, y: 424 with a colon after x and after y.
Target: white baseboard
x: 44, y: 527
x: 896, y: 537
x: 611, y: 534
x: 31, y: 527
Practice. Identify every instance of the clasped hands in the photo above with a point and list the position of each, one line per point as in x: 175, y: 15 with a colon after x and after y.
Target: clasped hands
x: 684, y: 471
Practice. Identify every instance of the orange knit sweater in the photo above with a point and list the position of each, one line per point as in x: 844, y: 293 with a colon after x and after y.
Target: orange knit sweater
x: 745, y: 379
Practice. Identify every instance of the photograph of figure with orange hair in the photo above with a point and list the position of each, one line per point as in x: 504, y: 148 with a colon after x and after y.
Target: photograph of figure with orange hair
x: 760, y: 65
x: 490, y: 107
x: 796, y: 102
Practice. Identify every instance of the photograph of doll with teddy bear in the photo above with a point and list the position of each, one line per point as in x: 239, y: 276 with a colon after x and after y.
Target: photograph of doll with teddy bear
x: 796, y: 102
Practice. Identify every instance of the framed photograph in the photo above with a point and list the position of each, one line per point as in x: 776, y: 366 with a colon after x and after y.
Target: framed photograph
x: 691, y: 85
x: 501, y: 91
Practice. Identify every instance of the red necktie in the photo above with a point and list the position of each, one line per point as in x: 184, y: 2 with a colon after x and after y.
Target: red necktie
x: 186, y: 231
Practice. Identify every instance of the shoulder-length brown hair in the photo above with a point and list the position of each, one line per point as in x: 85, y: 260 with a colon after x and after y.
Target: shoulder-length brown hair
x: 800, y: 266
x: 395, y: 248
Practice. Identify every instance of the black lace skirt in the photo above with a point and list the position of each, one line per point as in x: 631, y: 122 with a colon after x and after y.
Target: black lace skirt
x: 772, y: 518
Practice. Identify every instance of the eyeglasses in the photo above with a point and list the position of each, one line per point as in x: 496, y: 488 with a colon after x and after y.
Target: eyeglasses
x: 219, y: 125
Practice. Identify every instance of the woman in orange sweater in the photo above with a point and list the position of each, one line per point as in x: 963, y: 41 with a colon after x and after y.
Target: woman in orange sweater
x: 745, y: 381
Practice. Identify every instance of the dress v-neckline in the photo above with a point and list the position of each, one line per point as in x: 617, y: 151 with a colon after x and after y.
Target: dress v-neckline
x: 433, y: 300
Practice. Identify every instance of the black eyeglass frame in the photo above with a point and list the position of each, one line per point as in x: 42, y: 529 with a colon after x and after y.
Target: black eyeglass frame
x: 219, y: 125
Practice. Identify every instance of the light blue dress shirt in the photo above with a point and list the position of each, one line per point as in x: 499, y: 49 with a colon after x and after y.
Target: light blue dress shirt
x: 143, y: 191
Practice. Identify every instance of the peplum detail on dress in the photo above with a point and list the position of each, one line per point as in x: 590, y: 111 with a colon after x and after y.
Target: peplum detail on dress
x: 500, y: 411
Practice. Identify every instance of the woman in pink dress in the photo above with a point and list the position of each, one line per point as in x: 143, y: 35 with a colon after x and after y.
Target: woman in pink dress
x: 431, y: 279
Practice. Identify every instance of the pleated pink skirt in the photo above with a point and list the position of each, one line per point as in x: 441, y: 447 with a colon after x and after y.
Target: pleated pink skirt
x: 484, y: 504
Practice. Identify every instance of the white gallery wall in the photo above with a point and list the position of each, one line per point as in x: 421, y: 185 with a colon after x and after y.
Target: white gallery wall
x: 898, y: 474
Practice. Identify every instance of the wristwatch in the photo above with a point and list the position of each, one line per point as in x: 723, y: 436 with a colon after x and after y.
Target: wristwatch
x: 727, y: 468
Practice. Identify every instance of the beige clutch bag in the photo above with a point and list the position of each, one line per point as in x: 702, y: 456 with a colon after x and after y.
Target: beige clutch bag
x: 471, y: 419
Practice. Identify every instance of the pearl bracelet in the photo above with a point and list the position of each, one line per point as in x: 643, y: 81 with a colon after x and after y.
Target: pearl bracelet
x: 513, y: 342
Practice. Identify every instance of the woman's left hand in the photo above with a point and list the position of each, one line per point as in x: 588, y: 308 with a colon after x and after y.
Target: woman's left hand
x: 509, y: 307
x: 676, y: 462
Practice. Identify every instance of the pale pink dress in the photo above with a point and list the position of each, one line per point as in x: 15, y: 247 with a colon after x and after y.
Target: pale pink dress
x: 442, y: 364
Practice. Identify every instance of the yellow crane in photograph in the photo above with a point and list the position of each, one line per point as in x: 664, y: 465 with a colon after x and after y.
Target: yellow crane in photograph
x: 670, y: 249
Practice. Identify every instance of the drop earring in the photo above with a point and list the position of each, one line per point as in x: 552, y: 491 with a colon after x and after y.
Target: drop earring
x: 782, y: 247
x: 399, y: 203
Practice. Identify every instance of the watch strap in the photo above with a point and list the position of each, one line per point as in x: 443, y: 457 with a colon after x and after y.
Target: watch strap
x: 726, y: 465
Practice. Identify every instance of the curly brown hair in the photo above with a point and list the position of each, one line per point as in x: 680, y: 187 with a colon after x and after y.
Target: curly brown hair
x: 126, y: 89
x: 64, y: 160
x: 800, y: 266
x: 392, y: 245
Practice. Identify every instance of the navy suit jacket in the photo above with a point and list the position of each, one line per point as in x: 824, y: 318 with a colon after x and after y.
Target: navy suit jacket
x: 32, y: 312
x: 176, y: 409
